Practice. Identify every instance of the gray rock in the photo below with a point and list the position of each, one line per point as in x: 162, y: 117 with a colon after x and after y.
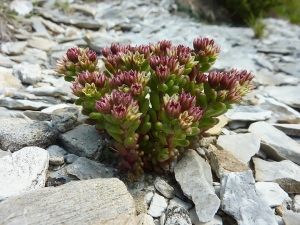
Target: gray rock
x: 21, y: 7
x: 177, y: 215
x: 52, y: 108
x: 292, y: 69
x: 46, y: 91
x: 85, y: 169
x: 53, y: 26
x: 37, y: 115
x: 56, y: 154
x: 217, y: 220
x: 144, y: 219
x: 158, y: 205
x: 83, y: 140
x: 98, y: 201
x: 271, y: 193
x: 16, y: 133
x: 263, y: 62
x: 275, y: 143
x: 28, y: 73
x: 267, y: 78
x: 177, y: 201
x: 290, y: 96
x: 23, y: 104
x: 65, y: 119
x: 164, y: 188
x: 199, y: 189
x: 6, y: 62
x: 9, y: 82
x: 140, y: 202
x: 240, y: 200
x: 4, y: 153
x: 22, y: 172
x: 40, y: 29
x: 279, y: 220
x: 70, y: 158
x: 248, y: 113
x: 289, y: 129
x: 291, y: 218
x: 13, y: 48
x: 223, y: 162
x: 296, y: 203
x: 242, y: 146
x: 284, y: 173
x: 41, y: 43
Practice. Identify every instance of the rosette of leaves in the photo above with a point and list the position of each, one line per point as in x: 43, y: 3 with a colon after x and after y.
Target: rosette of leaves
x: 155, y: 100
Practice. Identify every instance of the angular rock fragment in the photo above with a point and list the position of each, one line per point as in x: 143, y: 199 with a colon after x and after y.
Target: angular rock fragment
x: 98, y: 201
x: 275, y: 143
x: 158, y: 206
x: 195, y: 178
x: 23, y: 171
x: 177, y: 215
x: 240, y: 200
x: 164, y: 188
x: 284, y: 173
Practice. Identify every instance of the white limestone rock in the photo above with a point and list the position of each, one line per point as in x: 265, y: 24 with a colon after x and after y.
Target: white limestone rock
x: 242, y: 146
x: 275, y: 143
x: 271, y: 193
x: 164, y: 188
x: 199, y: 189
x: 96, y: 201
x: 158, y: 205
x: 28, y: 73
x: 23, y: 171
x: 284, y: 173
x: 240, y: 200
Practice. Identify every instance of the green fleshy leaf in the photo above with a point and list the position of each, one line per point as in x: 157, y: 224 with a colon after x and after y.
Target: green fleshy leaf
x: 126, y: 124
x: 128, y: 142
x: 100, y: 126
x: 115, y: 136
x: 152, y: 114
x: 113, y: 128
x: 201, y: 100
x: 133, y: 128
x: 194, y: 131
x: 155, y: 101
x: 216, y: 109
x: 162, y: 87
x: 167, y: 129
x: 145, y: 128
x: 173, y: 90
x: 145, y: 106
x: 79, y: 101
x: 170, y: 83
x: 180, y: 142
x: 96, y: 115
x: 121, y: 149
x: 158, y: 126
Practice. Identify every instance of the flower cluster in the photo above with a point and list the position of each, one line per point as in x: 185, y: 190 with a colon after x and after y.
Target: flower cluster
x: 155, y: 100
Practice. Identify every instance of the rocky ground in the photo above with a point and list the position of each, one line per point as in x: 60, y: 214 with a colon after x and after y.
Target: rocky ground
x: 247, y: 172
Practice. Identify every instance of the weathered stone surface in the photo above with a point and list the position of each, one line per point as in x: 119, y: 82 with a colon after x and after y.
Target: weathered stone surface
x: 240, y: 200
x: 16, y: 133
x: 158, y: 205
x: 28, y: 73
x: 23, y: 104
x: 271, y: 193
x: 177, y: 201
x: 8, y: 81
x: 284, y: 173
x: 13, y: 48
x: 248, y: 113
x: 242, y: 146
x: 290, y: 96
x: 83, y: 140
x: 21, y: 7
x: 296, y: 203
x: 223, y: 162
x: 98, y: 201
x: 41, y: 43
x: 85, y: 169
x: 177, y: 215
x: 70, y: 158
x: 275, y: 143
x: 56, y: 154
x: 144, y: 219
x: 140, y: 202
x: 217, y: 220
x: 164, y: 188
x: 199, y: 189
x: 4, y: 153
x: 291, y: 218
x: 289, y: 129
x: 64, y: 119
x: 267, y: 78
x: 23, y: 171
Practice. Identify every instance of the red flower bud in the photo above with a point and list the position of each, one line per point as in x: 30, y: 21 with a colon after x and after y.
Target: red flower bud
x: 162, y: 73
x: 196, y: 112
x: 77, y: 89
x: 173, y: 109
x: 73, y: 54
x: 187, y: 101
x: 119, y: 112
x: 136, y: 89
x: 104, y: 105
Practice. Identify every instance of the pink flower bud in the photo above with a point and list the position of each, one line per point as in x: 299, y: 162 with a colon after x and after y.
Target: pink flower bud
x: 187, y: 101
x: 196, y: 112
x: 162, y: 73
x: 73, y: 54
x: 136, y: 89
x: 85, y: 77
x: 104, y: 105
x: 173, y: 109
x: 119, y: 112
x: 92, y: 55
x: 77, y: 89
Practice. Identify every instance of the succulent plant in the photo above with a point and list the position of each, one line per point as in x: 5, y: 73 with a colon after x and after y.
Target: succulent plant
x: 155, y: 100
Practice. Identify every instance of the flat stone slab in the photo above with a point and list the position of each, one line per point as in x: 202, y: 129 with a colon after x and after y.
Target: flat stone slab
x: 96, y: 201
x: 23, y: 171
x: 291, y: 218
x: 83, y: 140
x: 248, y: 113
x: 275, y: 143
x: 199, y: 189
x: 85, y: 169
x: 16, y: 133
x: 223, y: 162
x: 289, y: 129
x: 290, y: 97
x: 242, y: 146
x: 240, y: 200
x: 284, y: 173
